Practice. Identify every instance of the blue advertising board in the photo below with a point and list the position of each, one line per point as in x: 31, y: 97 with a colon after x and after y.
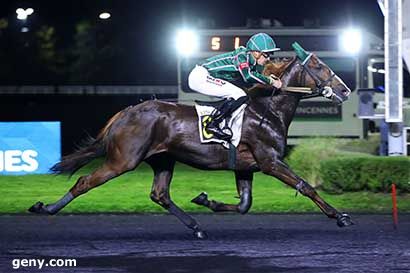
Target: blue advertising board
x: 29, y: 147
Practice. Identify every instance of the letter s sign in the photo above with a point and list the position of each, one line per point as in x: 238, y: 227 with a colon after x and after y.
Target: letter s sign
x: 29, y: 147
x: 28, y: 158
x: 18, y: 161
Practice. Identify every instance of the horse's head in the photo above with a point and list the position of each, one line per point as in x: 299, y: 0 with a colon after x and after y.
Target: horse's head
x: 319, y: 77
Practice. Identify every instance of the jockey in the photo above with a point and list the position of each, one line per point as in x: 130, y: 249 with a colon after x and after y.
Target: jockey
x: 215, y: 77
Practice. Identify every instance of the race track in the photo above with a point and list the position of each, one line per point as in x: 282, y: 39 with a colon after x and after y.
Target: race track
x: 249, y: 243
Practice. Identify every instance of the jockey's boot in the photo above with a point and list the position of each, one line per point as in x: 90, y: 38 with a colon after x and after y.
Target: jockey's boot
x: 225, y: 111
x: 213, y: 128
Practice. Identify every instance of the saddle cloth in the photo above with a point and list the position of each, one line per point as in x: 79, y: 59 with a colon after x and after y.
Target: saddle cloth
x: 204, y: 111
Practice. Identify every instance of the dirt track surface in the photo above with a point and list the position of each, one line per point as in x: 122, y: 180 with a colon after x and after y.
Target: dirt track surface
x: 250, y: 243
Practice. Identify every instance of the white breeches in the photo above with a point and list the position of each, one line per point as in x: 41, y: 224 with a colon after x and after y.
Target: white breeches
x: 199, y: 80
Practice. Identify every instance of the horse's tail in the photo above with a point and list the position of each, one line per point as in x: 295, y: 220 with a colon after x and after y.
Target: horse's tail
x: 89, y: 150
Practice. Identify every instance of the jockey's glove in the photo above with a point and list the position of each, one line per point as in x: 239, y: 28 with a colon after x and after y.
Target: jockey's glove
x: 275, y: 81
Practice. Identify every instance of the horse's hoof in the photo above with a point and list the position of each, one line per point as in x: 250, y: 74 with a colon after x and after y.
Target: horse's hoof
x: 343, y: 220
x: 38, y: 208
x: 200, y: 234
x: 201, y: 199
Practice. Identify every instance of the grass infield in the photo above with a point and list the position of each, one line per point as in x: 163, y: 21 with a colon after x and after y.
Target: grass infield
x: 129, y: 193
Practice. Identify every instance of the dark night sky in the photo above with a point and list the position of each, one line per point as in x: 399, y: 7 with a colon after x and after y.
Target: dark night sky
x: 147, y: 27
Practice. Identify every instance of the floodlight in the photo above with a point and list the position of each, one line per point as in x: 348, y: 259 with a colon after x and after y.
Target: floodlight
x: 29, y: 11
x: 22, y: 16
x: 351, y: 41
x: 104, y: 15
x: 186, y: 42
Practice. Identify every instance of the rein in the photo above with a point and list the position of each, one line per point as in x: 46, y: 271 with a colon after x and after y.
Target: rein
x: 296, y: 89
x: 266, y: 109
x: 317, y: 92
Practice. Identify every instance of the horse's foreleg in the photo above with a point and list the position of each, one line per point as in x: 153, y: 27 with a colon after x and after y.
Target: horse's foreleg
x: 244, y: 189
x: 163, y: 170
x: 281, y: 171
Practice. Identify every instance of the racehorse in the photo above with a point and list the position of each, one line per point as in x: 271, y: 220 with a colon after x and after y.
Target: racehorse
x: 161, y: 133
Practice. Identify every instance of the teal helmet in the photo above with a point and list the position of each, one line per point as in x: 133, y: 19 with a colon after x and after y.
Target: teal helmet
x: 261, y: 42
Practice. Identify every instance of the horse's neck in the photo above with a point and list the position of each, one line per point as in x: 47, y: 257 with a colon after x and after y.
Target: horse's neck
x: 283, y: 104
x: 287, y: 102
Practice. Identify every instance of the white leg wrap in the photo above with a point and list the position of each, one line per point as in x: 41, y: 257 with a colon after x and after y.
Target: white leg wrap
x: 54, y: 208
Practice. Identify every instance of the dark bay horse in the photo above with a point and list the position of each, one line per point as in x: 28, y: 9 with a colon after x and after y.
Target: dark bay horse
x: 161, y: 133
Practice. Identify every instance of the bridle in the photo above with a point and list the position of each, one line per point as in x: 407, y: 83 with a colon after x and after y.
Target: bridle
x: 320, y: 85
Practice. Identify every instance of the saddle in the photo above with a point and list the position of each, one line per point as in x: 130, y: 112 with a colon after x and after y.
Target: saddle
x: 232, y: 125
x: 215, y: 104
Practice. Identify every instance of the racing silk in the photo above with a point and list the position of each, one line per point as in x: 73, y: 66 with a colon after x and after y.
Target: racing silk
x: 234, y: 65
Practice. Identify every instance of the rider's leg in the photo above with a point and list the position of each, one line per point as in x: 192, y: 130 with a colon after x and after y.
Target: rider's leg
x: 227, y: 109
x: 200, y: 81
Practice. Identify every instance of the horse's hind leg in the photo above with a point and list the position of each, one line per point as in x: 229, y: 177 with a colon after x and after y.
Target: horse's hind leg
x: 244, y: 188
x: 83, y: 185
x: 163, y: 169
x: 116, y: 164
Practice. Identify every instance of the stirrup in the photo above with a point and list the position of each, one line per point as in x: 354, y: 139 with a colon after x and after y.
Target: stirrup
x: 219, y: 133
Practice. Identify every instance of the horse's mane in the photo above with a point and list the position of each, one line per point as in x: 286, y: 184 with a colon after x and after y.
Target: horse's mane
x: 277, y: 66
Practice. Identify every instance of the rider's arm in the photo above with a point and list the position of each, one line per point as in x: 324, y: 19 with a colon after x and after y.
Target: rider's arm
x: 249, y: 75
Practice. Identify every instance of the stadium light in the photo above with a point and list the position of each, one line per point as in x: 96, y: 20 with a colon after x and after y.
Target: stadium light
x: 186, y: 42
x: 29, y: 11
x: 20, y: 10
x: 104, y: 15
x: 351, y: 41
x: 22, y: 14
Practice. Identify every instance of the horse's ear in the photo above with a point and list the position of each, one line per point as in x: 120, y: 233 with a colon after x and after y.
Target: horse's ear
x: 300, y: 52
x: 314, y: 59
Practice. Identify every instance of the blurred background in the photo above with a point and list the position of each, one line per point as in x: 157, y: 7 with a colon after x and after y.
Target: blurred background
x: 73, y: 43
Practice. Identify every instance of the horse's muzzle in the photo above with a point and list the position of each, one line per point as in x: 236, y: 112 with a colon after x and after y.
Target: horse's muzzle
x: 340, y: 95
x: 338, y: 99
